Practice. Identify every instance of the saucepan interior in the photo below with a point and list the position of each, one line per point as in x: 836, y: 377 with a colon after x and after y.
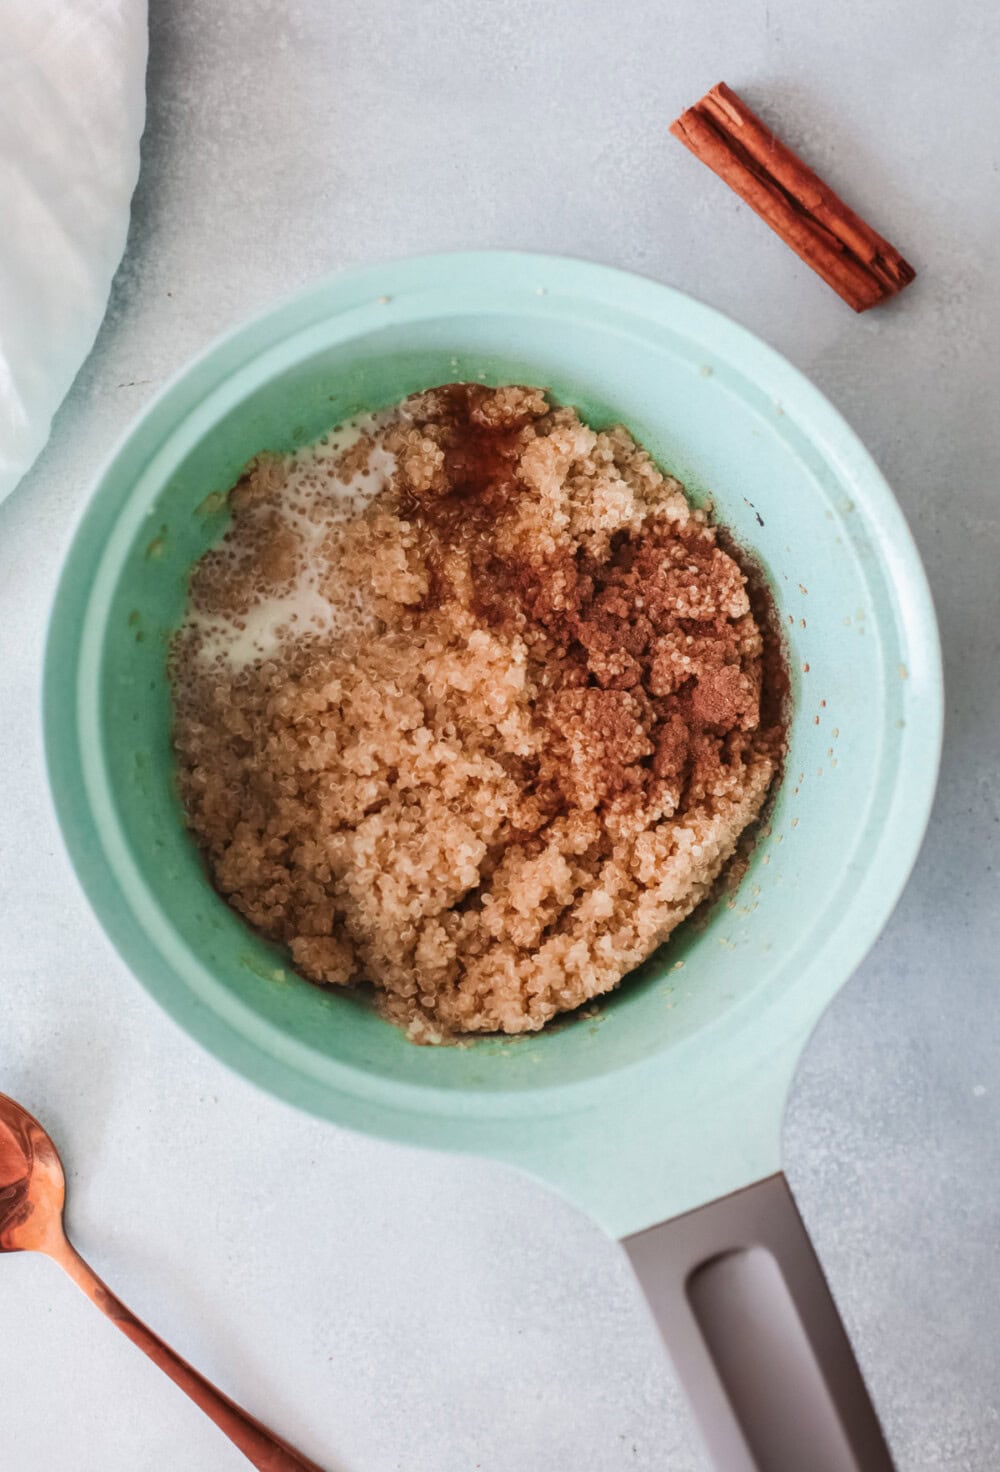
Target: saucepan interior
x: 719, y: 410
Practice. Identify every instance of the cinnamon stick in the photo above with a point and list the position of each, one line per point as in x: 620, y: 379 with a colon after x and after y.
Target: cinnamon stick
x: 809, y: 217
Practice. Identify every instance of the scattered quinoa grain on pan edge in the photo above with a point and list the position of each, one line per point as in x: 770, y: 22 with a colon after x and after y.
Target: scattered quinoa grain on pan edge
x: 470, y: 705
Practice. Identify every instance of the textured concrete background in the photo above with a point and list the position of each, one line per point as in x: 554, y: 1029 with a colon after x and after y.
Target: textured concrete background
x: 393, y: 1311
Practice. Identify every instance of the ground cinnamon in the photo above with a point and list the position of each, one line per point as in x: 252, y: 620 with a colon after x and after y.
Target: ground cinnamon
x: 859, y: 264
x: 648, y: 672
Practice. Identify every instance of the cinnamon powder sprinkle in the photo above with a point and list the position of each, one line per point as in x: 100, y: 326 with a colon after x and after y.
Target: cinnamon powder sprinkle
x: 473, y: 707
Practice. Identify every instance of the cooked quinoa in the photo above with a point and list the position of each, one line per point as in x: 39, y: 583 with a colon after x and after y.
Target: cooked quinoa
x: 469, y: 707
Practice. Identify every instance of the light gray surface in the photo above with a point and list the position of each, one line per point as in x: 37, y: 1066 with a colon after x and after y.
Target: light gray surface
x: 389, y: 1310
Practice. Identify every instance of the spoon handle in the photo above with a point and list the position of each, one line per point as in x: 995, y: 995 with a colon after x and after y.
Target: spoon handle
x: 266, y: 1452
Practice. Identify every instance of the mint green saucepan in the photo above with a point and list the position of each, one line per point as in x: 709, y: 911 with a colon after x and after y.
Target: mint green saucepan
x: 662, y: 1115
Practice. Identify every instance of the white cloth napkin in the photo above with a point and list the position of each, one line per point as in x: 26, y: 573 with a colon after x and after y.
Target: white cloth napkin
x: 72, y: 106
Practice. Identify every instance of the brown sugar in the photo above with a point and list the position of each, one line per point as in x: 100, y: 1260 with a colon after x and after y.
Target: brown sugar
x: 469, y: 706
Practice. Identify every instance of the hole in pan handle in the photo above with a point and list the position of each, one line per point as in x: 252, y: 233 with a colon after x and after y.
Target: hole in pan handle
x: 740, y: 1298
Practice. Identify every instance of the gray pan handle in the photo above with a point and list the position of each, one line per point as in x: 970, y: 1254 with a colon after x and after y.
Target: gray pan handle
x: 741, y: 1301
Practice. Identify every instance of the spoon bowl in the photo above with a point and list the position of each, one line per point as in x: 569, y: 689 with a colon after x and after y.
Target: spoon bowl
x: 32, y: 1184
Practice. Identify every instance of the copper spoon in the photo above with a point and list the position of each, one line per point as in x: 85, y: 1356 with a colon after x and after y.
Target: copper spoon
x: 32, y: 1192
